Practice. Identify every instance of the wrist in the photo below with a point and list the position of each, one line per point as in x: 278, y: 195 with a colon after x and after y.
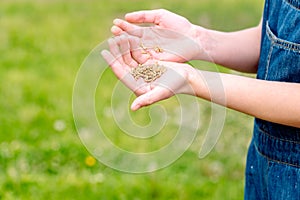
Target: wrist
x: 195, y: 83
x: 205, y: 42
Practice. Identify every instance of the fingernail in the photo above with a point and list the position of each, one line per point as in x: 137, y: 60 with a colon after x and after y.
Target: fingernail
x: 116, y: 21
x: 134, y: 107
x: 114, y: 29
x: 103, y: 53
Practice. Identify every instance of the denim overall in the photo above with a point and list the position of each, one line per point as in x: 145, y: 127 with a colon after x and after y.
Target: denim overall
x: 273, y: 162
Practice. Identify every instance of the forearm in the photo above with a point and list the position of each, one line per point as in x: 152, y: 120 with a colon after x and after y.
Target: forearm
x: 277, y: 102
x: 236, y: 50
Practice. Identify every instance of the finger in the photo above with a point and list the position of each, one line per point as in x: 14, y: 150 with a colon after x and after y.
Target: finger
x: 115, y: 50
x: 116, y: 30
x: 119, y: 47
x: 126, y: 49
x: 151, y: 97
x: 121, y: 26
x: 138, y: 53
x: 115, y: 65
x: 145, y: 16
x: 125, y: 26
x: 121, y: 73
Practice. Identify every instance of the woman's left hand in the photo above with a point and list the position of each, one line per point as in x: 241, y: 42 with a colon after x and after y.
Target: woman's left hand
x: 173, y: 81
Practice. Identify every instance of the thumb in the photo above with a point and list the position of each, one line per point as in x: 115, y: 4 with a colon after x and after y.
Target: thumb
x: 151, y: 97
x: 144, y: 16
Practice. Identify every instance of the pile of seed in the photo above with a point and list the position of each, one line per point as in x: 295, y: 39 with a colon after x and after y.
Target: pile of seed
x: 148, y: 73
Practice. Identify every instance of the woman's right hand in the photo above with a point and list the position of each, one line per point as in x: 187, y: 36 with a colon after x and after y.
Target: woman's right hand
x: 169, y: 30
x: 159, y: 18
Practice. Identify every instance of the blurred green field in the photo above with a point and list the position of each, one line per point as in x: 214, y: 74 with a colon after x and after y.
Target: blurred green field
x: 42, y: 45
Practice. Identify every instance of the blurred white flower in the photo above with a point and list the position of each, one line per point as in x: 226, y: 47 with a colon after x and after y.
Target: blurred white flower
x: 97, y: 178
x: 59, y: 125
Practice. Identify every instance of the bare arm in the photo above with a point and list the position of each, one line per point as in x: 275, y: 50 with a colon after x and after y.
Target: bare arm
x: 277, y: 102
x: 238, y: 50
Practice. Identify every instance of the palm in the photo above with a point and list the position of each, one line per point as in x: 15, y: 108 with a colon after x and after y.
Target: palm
x: 171, y: 82
x: 164, y: 44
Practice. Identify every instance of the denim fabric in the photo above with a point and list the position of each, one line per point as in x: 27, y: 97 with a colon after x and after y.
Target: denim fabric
x: 273, y: 161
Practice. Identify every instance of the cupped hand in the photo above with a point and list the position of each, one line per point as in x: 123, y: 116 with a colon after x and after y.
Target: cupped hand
x: 160, y: 18
x: 174, y: 80
x: 173, y: 32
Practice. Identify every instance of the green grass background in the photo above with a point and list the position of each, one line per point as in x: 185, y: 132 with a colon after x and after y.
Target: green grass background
x: 42, y: 45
